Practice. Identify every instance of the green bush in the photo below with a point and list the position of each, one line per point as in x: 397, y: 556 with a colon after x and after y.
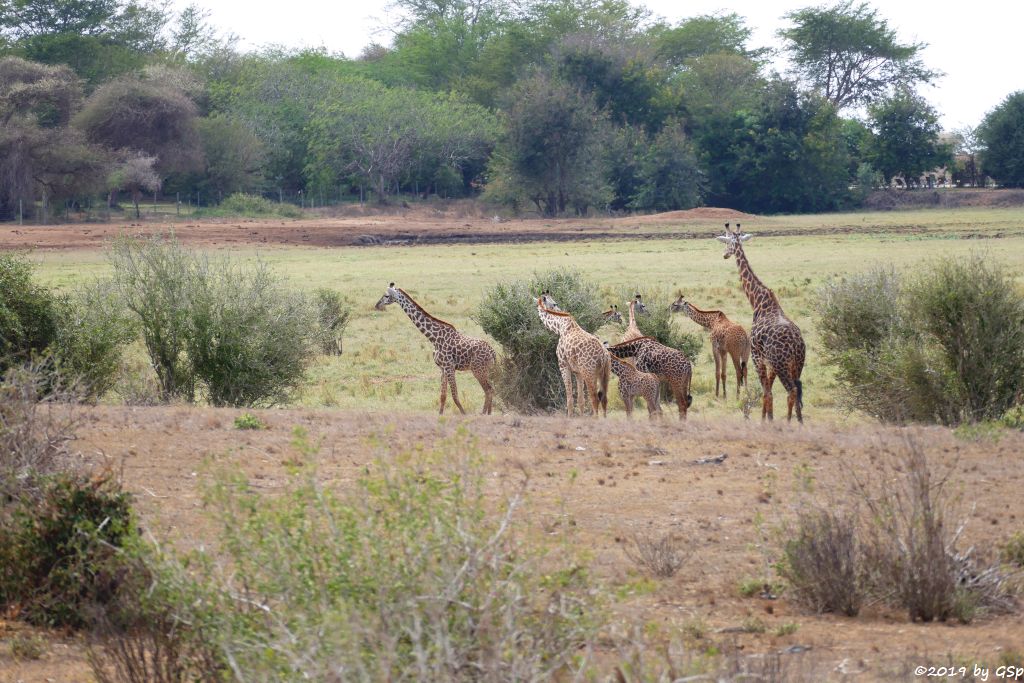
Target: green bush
x: 248, y: 421
x: 242, y: 204
x: 229, y: 330
x: 92, y: 332
x: 249, y: 340
x: 528, y: 378
x: 332, y: 314
x: 59, y: 552
x: 155, y: 279
x: 416, y: 574
x: 28, y: 312
x: 945, y: 345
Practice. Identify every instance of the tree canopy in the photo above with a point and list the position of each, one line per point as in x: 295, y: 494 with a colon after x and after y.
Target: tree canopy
x: 850, y: 54
x: 1002, y: 136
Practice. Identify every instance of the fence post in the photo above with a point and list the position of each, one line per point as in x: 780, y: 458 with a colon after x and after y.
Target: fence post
x: 21, y: 211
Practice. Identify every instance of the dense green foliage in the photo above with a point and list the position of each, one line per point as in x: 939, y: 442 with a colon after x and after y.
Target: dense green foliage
x: 553, y: 107
x: 944, y: 345
x: 1002, y: 136
x: 233, y: 332
x: 528, y: 378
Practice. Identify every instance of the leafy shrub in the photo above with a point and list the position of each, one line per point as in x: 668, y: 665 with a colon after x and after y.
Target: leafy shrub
x: 1013, y: 550
x: 822, y: 563
x: 248, y: 421
x: 155, y: 280
x: 249, y: 340
x: 413, y: 575
x: 59, y: 551
x: 1013, y: 418
x: 231, y: 330
x: 528, y: 377
x: 946, y: 345
x: 332, y: 314
x: 242, y: 204
x: 92, y: 332
x: 28, y: 313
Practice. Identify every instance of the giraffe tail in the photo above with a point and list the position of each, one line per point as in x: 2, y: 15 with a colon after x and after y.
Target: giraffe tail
x: 743, y: 370
x: 689, y: 400
x: 604, y: 379
x: 800, y: 394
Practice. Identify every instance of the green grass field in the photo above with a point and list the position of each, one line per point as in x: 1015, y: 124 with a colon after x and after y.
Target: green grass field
x: 387, y: 364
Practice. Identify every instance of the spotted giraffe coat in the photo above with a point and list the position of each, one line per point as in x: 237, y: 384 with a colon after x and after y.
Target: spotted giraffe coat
x: 452, y: 350
x: 670, y: 365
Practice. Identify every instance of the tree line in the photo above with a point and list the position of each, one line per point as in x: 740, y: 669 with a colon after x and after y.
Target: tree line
x: 552, y: 106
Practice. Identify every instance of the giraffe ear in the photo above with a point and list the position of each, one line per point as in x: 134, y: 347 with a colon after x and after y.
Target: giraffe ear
x: 745, y: 237
x: 724, y: 239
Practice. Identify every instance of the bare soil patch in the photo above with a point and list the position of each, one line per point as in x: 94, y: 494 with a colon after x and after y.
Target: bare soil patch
x: 607, y: 480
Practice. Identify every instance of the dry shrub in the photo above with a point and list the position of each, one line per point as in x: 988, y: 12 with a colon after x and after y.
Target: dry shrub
x: 662, y: 555
x: 822, y: 563
x: 911, y: 538
x: 37, y: 420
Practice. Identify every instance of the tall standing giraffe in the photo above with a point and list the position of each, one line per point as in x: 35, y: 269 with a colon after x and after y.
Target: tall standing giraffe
x: 632, y: 331
x: 579, y: 353
x: 727, y: 338
x: 452, y: 349
x: 775, y: 341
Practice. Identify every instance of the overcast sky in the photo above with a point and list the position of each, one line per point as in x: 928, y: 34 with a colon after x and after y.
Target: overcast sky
x: 976, y: 45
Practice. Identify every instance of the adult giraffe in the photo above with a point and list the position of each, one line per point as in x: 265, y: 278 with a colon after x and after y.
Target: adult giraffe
x: 775, y: 341
x: 452, y: 349
x: 579, y: 353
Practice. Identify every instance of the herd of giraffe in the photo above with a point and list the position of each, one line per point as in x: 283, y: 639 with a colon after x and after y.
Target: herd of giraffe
x: 640, y: 363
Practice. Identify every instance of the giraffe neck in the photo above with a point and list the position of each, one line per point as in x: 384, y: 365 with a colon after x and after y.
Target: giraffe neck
x: 761, y: 298
x: 706, y: 319
x: 433, y: 329
x: 558, y: 324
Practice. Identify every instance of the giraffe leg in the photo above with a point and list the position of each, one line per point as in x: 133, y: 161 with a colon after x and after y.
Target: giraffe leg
x: 766, y: 401
x: 737, y: 364
x: 762, y: 376
x: 567, y: 381
x: 485, y: 384
x: 444, y: 390
x: 455, y: 391
x: 627, y: 401
x: 724, y: 362
x: 595, y: 402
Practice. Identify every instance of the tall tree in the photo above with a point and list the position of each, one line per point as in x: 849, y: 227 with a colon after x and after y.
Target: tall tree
x: 146, y: 116
x: 96, y: 38
x: 851, y: 55
x: 552, y: 152
x: 906, y: 137
x: 703, y: 35
x: 1002, y: 134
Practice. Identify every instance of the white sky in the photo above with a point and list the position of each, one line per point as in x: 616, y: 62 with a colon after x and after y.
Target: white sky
x: 977, y: 45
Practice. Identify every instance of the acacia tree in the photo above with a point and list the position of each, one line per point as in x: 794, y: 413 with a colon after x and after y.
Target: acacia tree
x: 1002, y: 135
x: 851, y: 55
x: 906, y: 137
x: 143, y: 115
x: 136, y: 173
x: 39, y: 154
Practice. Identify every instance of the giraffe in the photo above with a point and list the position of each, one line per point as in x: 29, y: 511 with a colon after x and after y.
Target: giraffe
x: 775, y: 341
x: 612, y: 315
x: 671, y: 365
x: 452, y: 349
x: 633, y: 383
x: 632, y: 331
x: 727, y: 338
x: 579, y: 353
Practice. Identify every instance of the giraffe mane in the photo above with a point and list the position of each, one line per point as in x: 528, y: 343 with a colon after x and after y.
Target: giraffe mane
x: 421, y: 309
x: 633, y: 341
x: 701, y: 310
x: 548, y: 310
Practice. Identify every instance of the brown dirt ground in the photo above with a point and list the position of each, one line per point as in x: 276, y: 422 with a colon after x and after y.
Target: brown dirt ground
x: 607, y: 480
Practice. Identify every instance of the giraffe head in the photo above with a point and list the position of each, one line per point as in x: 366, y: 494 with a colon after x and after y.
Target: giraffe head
x: 732, y: 240
x: 547, y: 301
x: 390, y: 297
x: 638, y: 305
x: 680, y: 305
x: 613, y: 315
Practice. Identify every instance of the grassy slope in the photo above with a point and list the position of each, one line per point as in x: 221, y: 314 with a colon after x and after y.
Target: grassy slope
x: 387, y: 363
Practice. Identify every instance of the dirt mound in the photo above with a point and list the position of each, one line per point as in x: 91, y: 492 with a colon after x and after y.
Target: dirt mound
x: 702, y: 213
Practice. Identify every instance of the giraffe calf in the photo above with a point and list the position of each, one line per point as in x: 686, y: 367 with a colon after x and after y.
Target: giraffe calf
x: 633, y: 383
